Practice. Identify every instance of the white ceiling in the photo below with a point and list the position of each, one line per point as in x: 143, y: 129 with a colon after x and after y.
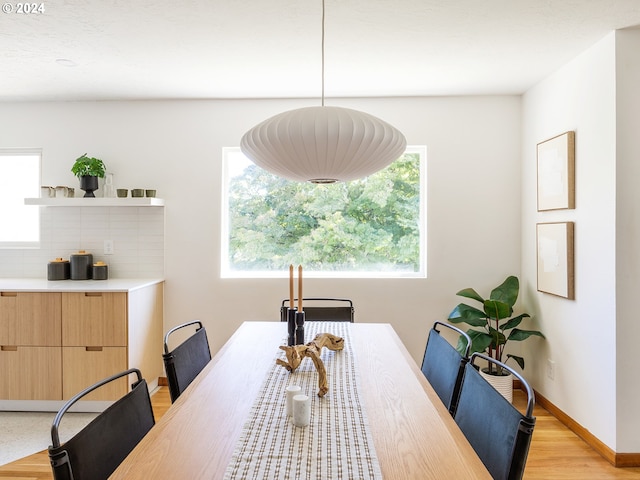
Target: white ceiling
x: 152, y: 49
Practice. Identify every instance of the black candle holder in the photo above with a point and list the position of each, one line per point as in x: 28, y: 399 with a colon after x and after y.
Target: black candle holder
x: 291, y: 326
x: 300, y: 328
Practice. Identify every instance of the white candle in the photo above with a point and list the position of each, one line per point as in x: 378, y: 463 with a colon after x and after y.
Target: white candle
x: 301, y: 410
x: 292, y: 391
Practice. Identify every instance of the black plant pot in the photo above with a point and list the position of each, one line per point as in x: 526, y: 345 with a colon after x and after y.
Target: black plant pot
x: 89, y: 184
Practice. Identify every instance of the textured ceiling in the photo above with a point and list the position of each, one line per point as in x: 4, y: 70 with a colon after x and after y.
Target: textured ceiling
x: 150, y: 49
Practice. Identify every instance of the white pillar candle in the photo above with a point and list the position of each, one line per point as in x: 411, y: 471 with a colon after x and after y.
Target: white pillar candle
x: 301, y: 410
x: 292, y: 391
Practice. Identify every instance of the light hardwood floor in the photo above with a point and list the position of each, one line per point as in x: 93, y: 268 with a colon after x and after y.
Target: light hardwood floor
x: 556, y: 453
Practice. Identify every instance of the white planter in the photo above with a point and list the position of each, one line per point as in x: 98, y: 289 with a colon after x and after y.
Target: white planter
x: 503, y: 384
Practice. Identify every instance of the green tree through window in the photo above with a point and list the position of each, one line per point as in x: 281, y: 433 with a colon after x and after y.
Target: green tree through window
x: 368, y: 225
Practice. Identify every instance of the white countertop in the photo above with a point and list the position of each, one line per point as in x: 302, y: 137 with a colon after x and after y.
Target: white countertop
x: 43, y: 285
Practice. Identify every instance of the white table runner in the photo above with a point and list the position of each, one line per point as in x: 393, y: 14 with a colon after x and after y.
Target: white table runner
x: 336, y: 445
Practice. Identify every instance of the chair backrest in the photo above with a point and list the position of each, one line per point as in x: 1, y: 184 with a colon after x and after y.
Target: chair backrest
x: 97, y: 450
x: 187, y: 360
x: 322, y: 309
x: 496, y: 430
x: 443, y: 365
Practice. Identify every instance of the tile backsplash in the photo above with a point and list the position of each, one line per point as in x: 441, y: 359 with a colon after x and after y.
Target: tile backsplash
x: 137, y: 234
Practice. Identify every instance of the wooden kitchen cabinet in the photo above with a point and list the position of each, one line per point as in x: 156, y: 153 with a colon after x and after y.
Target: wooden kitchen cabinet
x: 94, y: 342
x: 30, y: 339
x: 84, y: 366
x: 31, y: 373
x: 96, y: 319
x: 32, y: 319
x: 55, y: 344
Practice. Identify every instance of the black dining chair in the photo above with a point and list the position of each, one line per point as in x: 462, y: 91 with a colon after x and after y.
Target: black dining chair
x: 443, y: 365
x: 97, y: 450
x: 497, y: 431
x: 322, y: 309
x: 186, y: 361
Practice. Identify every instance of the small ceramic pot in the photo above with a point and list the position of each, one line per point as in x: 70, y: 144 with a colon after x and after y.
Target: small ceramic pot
x: 100, y: 271
x: 81, y: 265
x: 58, y: 269
x: 137, y: 192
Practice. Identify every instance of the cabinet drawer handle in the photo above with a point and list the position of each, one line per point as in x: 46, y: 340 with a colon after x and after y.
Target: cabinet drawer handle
x: 8, y: 294
x: 92, y: 294
x: 9, y: 348
x: 93, y: 349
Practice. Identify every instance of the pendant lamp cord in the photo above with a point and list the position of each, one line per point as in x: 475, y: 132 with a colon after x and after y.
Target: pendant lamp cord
x: 323, y: 53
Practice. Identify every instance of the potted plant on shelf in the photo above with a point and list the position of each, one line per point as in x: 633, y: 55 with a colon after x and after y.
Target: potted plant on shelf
x: 496, y: 326
x: 88, y: 170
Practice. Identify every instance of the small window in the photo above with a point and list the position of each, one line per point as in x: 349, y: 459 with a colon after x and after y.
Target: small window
x: 372, y: 227
x: 19, y: 179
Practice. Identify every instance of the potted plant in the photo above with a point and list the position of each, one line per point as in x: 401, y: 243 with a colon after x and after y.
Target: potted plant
x: 495, y: 322
x: 88, y: 170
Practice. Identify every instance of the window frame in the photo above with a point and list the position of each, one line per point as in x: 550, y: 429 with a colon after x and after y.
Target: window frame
x: 226, y: 272
x: 26, y: 244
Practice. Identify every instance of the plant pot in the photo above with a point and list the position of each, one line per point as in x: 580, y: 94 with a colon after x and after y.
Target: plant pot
x: 502, y: 383
x: 89, y: 184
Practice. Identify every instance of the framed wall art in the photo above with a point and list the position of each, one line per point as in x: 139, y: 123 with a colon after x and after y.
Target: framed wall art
x: 554, y: 243
x: 556, y: 163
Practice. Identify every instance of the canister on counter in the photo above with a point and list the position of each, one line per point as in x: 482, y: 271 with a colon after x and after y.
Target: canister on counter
x: 100, y: 271
x: 58, y: 269
x: 81, y: 265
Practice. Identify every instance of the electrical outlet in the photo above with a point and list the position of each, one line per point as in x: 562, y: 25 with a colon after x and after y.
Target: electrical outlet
x: 551, y: 369
x: 108, y: 247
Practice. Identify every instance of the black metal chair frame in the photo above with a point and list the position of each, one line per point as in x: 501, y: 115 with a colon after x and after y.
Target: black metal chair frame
x: 497, y: 431
x: 443, y: 365
x: 97, y: 450
x: 322, y: 313
x: 187, y: 360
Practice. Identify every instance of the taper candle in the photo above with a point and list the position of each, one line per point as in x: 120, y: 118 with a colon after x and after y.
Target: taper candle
x: 300, y: 288
x: 291, y: 305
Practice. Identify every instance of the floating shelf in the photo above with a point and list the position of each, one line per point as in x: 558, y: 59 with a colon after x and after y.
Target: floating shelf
x: 95, y: 202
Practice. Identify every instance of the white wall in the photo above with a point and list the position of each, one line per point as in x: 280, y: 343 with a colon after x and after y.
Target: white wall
x: 627, y: 239
x: 175, y: 147
x: 137, y: 234
x: 581, y: 333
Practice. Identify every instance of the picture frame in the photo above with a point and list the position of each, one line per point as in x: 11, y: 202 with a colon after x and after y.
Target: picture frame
x: 556, y: 172
x: 555, y: 258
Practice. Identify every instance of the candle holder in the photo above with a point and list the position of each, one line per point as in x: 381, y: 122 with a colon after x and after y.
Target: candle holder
x: 291, y: 326
x: 300, y: 328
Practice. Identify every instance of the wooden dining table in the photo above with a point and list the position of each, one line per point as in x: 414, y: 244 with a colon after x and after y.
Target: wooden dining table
x: 414, y: 435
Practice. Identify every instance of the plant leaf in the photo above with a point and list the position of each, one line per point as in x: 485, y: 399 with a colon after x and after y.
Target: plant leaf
x: 462, y: 345
x: 507, y: 292
x: 514, y: 322
x: 470, y: 293
x: 480, y: 341
x: 467, y: 314
x: 519, y: 335
x: 496, y: 309
x: 520, y: 360
x: 497, y: 338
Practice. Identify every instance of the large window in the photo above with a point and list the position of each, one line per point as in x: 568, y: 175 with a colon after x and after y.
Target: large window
x: 373, y: 227
x: 19, y: 179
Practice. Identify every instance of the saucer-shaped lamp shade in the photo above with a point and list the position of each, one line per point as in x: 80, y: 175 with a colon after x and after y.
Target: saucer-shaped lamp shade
x: 323, y: 144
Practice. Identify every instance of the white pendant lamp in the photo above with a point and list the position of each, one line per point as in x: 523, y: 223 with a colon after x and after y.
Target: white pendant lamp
x: 323, y: 144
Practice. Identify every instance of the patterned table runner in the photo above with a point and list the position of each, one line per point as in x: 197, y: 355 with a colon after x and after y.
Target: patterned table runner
x: 336, y: 445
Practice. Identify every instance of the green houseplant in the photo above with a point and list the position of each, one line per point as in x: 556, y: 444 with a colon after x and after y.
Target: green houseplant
x: 495, y: 322
x: 88, y: 170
